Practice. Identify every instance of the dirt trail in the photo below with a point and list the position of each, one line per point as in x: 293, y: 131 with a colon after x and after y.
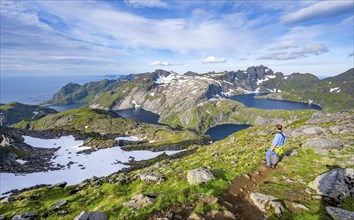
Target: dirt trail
x: 237, y: 197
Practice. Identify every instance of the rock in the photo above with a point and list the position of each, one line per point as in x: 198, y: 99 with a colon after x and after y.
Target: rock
x: 57, y: 205
x: 308, y: 190
x: 248, y: 176
x: 314, y: 130
x: 322, y: 145
x: 84, y: 215
x: 140, y: 200
x: 7, y: 200
x: 151, y: 177
x: 337, y: 184
x: 294, y: 153
x: 317, y: 197
x: 339, y: 214
x: 195, y: 216
x: 162, y: 219
x: 26, y: 216
x: 61, y: 185
x: 221, y: 215
x: 2, y: 217
x: 199, y: 176
x: 264, y: 202
x: 300, y: 206
x: 178, y: 217
x: 94, y: 178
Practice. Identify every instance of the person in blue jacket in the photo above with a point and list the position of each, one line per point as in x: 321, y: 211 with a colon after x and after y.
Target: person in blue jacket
x: 276, y: 148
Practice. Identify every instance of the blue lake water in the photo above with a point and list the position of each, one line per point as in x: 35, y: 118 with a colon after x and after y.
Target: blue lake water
x: 140, y: 114
x: 249, y: 100
x: 220, y: 132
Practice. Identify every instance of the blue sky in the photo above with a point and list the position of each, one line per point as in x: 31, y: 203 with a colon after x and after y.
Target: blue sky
x: 133, y: 36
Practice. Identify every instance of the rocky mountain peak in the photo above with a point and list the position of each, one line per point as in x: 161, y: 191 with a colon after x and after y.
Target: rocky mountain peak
x: 258, y: 72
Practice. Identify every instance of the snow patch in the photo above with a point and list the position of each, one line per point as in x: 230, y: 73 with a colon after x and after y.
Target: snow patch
x: 135, y: 104
x: 334, y: 89
x: 129, y: 138
x: 21, y: 161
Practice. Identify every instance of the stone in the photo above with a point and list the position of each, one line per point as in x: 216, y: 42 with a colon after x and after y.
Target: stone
x: 300, y: 206
x: 195, y: 216
x: 339, y: 214
x: 26, y: 216
x: 314, y: 130
x: 221, y: 215
x: 7, y: 200
x: 294, y: 153
x: 199, y: 176
x: 2, y: 217
x: 322, y: 145
x: 161, y: 219
x: 61, y: 185
x: 264, y: 202
x: 57, y: 205
x: 248, y: 176
x: 84, y: 215
x: 336, y: 184
x: 141, y: 200
x: 151, y: 177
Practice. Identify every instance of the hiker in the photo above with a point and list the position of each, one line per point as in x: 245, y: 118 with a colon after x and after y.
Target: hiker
x: 276, y: 149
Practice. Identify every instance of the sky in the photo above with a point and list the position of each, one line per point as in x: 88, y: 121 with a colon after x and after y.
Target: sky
x: 132, y: 36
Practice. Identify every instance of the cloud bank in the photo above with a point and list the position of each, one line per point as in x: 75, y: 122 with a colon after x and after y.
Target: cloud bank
x: 212, y: 59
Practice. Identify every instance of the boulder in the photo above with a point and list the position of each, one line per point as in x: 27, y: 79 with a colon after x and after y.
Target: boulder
x: 195, y: 216
x: 26, y: 216
x: 221, y: 215
x: 7, y: 200
x: 264, y: 202
x: 57, y: 205
x: 199, y: 176
x: 141, y: 200
x: 322, y: 145
x: 61, y: 185
x: 337, y: 184
x: 339, y: 214
x: 84, y: 215
x: 151, y: 177
x: 314, y: 130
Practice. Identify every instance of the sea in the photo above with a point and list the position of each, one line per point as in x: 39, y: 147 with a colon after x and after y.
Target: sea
x: 35, y: 89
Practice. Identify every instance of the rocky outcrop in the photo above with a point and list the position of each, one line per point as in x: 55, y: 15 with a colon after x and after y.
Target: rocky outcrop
x: 59, y: 204
x: 26, y: 216
x: 199, y: 176
x: 323, y: 145
x: 336, y: 184
x: 339, y: 214
x: 151, y: 177
x: 264, y: 202
x: 141, y: 200
x: 84, y: 215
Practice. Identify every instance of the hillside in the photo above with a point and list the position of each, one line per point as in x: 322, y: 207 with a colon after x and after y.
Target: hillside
x: 107, y: 125
x: 316, y: 145
x: 14, y: 112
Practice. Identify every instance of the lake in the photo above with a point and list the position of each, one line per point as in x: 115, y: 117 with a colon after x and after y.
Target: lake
x: 249, y: 100
x: 139, y: 114
x: 220, y: 132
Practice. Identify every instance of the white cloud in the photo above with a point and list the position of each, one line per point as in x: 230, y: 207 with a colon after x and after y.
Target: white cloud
x: 322, y: 9
x: 146, y: 3
x: 311, y: 49
x: 212, y: 59
x: 161, y: 63
x: 284, y: 45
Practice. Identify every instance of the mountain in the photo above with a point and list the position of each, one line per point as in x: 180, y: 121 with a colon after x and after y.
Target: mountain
x: 174, y: 96
x: 14, y: 112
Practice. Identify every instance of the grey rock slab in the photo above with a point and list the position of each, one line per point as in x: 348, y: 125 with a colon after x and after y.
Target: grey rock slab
x: 264, y: 202
x: 199, y: 176
x: 151, y: 177
x: 140, y: 200
x: 59, y: 204
x: 84, y: 215
x: 315, y: 130
x: 336, y: 184
x: 61, y: 184
x: 339, y: 214
x: 322, y: 145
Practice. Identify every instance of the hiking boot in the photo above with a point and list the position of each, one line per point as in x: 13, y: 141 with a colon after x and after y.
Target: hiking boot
x: 272, y: 166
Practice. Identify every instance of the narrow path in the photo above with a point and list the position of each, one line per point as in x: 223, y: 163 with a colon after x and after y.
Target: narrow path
x: 237, y: 197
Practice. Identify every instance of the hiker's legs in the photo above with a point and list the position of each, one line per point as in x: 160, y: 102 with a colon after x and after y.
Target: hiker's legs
x: 268, y: 154
x: 275, y: 159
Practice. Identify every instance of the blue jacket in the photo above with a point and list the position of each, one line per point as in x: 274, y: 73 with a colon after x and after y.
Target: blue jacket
x: 279, y: 139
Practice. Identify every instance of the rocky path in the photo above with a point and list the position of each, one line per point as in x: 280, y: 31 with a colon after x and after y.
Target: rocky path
x: 237, y: 197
